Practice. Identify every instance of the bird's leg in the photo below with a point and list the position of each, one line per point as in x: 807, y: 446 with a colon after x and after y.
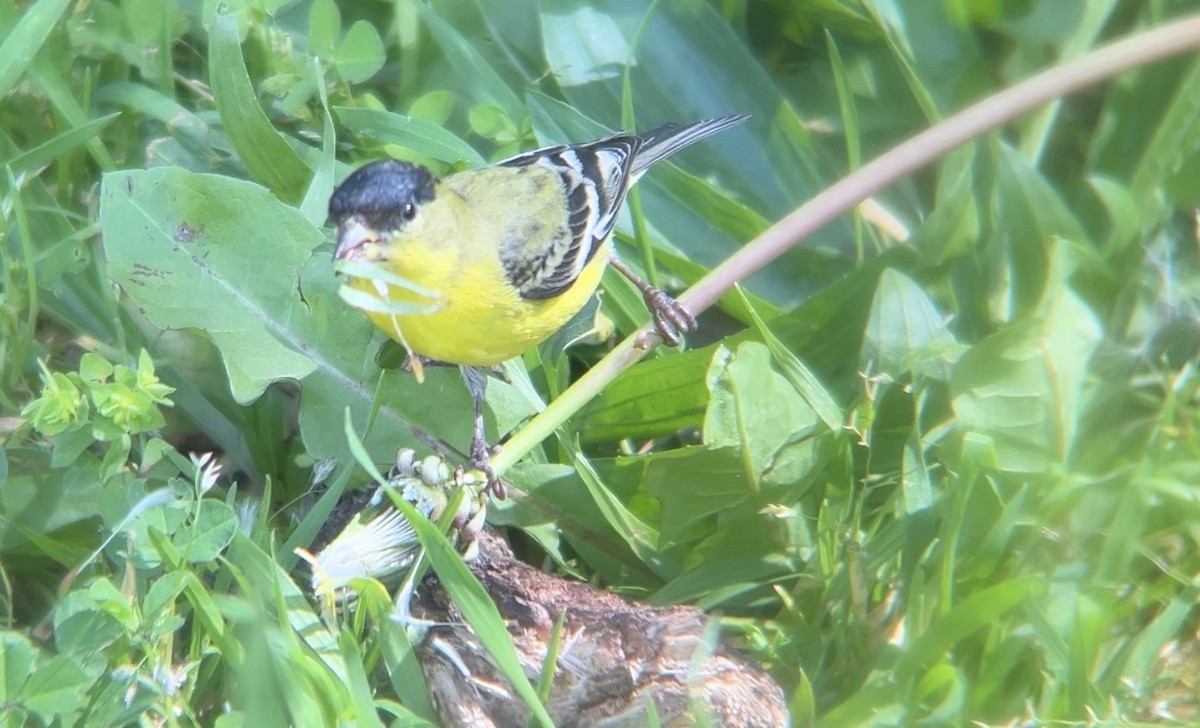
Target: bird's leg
x: 671, y: 318
x: 412, y: 362
x: 481, y: 452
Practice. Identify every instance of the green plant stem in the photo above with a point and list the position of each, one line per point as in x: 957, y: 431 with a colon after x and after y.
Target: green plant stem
x: 991, y: 113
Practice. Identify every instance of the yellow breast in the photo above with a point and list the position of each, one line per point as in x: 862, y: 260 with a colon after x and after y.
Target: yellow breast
x: 481, y: 319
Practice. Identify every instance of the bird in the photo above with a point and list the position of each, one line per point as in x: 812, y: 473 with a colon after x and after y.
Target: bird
x: 476, y: 268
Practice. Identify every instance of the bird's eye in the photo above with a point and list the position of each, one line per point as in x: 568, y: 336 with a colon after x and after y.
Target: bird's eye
x: 409, y: 211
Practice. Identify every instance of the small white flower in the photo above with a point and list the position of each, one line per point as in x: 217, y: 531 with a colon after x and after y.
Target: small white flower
x: 207, y: 471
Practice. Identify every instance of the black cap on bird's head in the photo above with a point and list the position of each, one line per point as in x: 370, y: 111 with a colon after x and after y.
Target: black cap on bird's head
x: 378, y: 198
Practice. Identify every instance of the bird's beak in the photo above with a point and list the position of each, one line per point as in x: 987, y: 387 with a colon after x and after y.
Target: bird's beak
x: 353, y: 237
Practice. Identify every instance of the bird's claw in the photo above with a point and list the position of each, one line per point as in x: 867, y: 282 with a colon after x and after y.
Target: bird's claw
x: 671, y: 318
x: 481, y: 460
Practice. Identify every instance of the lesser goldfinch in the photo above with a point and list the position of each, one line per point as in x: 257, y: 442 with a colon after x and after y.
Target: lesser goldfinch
x: 501, y: 257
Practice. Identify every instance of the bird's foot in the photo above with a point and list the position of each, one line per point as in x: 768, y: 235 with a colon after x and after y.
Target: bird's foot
x: 481, y: 460
x: 671, y: 318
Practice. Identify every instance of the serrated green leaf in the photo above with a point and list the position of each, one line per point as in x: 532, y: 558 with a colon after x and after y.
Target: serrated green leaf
x: 188, y: 250
x: 183, y: 247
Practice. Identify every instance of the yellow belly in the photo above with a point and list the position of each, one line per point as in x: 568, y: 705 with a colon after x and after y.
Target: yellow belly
x: 480, y: 320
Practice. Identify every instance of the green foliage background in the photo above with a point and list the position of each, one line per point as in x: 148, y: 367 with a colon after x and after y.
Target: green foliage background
x: 939, y: 480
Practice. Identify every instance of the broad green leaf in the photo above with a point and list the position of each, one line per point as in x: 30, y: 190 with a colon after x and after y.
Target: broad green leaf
x: 360, y: 54
x: 583, y: 45
x: 694, y: 483
x: 654, y: 398
x: 1034, y: 215
x: 70, y: 445
x: 82, y: 626
x: 158, y: 604
x: 267, y: 156
x: 208, y: 533
x: 56, y: 687
x: 905, y: 332
x: 757, y: 411
x: 45, y: 501
x: 189, y: 250
x: 1023, y: 386
x: 17, y: 658
x: 435, y: 107
x: 324, y: 28
x: 806, y: 383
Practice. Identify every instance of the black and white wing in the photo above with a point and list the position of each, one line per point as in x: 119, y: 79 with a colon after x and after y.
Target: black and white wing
x: 596, y: 176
